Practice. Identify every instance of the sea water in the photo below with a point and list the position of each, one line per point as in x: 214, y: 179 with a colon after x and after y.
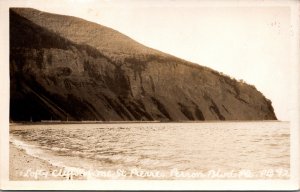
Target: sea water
x: 208, y: 150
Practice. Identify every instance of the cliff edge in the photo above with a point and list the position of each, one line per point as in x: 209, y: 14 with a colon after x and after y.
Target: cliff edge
x: 63, y: 67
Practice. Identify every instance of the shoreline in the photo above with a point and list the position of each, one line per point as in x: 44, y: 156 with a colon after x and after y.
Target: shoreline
x: 24, y: 167
x: 137, y: 122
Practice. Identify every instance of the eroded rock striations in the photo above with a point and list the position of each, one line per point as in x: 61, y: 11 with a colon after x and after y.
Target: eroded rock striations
x: 63, y: 67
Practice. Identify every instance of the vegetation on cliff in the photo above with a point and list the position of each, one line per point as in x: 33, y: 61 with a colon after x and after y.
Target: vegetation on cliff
x: 63, y: 67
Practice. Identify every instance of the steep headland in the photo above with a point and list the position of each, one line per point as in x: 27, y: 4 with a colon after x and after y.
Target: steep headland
x: 63, y: 67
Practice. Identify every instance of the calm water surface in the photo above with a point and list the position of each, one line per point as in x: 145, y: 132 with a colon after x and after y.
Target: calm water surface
x: 194, y: 150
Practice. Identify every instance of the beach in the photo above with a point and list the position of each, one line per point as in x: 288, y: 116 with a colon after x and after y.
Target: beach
x: 24, y: 167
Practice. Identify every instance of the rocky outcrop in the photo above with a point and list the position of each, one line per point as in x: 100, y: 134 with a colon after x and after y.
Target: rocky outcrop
x: 63, y: 67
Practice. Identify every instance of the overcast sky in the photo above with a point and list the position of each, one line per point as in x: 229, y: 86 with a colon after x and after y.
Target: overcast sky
x: 252, y: 42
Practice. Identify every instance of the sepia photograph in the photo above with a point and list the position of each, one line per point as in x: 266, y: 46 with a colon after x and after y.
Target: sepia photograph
x: 150, y: 94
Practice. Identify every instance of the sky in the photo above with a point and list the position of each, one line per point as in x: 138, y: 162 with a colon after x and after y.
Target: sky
x: 250, y: 41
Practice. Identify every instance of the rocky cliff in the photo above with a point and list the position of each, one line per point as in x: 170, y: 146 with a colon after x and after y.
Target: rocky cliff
x: 63, y: 67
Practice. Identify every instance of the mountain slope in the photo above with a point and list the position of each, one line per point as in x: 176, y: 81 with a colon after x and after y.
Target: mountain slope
x: 65, y: 67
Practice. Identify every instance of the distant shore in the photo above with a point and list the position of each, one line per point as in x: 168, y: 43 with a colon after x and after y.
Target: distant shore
x: 136, y: 122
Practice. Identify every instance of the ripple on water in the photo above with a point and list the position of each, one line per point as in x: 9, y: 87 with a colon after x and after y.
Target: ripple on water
x: 184, y: 145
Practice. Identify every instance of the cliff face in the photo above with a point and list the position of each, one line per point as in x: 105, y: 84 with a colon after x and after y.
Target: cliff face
x: 65, y: 67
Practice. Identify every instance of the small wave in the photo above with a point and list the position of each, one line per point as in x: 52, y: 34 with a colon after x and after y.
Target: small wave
x: 36, y: 152
x: 281, y: 156
x: 29, y: 149
x: 80, y: 154
x: 104, y: 159
x: 273, y: 144
x: 284, y: 135
x: 58, y: 149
